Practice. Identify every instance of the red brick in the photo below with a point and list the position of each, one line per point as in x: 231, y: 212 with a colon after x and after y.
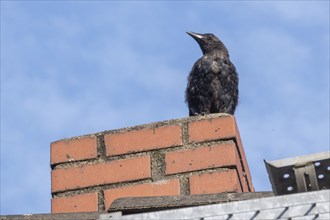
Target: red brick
x: 142, y: 140
x: 101, y: 173
x: 78, y: 203
x: 73, y: 150
x: 222, y: 128
x: 161, y: 188
x: 225, y: 181
x: 212, y: 129
x: 248, y: 178
x: 243, y: 179
x: 201, y: 158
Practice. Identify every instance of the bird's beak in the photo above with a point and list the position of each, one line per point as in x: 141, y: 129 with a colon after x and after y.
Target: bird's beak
x: 195, y: 35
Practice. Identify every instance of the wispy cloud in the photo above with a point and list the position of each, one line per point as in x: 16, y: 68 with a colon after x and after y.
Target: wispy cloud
x: 72, y: 68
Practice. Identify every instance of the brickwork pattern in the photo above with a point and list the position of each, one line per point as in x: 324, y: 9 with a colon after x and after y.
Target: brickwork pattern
x: 194, y: 155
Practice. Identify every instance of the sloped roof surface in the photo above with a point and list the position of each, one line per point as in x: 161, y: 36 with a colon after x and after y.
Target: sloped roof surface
x: 309, y: 205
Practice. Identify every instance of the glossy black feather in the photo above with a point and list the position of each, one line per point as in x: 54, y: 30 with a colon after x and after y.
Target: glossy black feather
x: 213, y: 81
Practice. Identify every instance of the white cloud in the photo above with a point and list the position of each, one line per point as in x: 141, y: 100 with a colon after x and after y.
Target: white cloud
x: 70, y: 71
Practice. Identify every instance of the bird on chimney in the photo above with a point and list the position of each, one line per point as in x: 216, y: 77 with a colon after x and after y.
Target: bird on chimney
x: 213, y: 81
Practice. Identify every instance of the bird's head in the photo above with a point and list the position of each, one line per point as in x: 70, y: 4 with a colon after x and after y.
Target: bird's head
x: 208, y: 42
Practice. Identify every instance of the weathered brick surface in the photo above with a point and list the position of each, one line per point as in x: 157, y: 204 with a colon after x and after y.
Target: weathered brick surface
x: 199, y: 158
x: 195, y: 155
x: 244, y: 164
x: 161, y: 188
x: 73, y: 150
x: 142, y: 140
x: 242, y: 176
x: 217, y: 182
x: 78, y: 203
x: 101, y: 173
x: 212, y: 129
x: 221, y: 128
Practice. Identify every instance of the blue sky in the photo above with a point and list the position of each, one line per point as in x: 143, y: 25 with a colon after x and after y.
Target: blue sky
x: 79, y: 67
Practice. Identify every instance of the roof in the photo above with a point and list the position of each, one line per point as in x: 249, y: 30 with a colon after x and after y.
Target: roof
x: 130, y: 205
x: 308, y: 205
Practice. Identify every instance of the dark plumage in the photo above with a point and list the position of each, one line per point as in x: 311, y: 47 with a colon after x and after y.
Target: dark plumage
x: 213, y: 81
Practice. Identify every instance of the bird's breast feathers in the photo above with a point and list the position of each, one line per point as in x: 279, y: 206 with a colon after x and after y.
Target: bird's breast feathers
x: 212, y: 65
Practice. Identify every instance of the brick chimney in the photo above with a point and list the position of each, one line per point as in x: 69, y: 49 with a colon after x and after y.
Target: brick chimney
x: 195, y: 155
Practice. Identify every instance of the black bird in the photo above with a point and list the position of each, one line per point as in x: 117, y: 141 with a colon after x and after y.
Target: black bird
x: 213, y: 81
